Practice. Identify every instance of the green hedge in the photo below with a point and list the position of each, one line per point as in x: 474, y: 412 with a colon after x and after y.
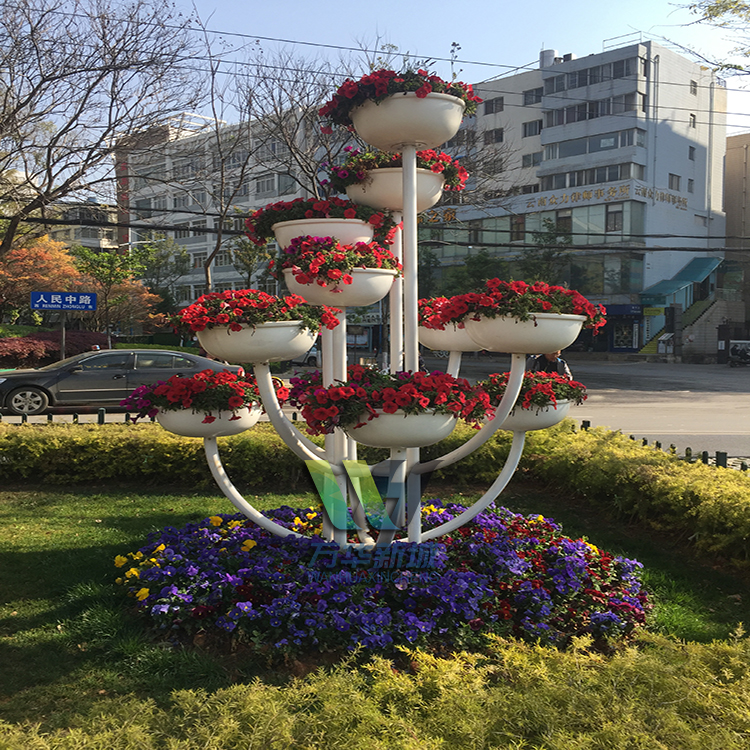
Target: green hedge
x: 69, y: 454
x: 709, y: 505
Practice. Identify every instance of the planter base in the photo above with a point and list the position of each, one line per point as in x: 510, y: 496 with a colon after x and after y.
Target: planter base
x: 544, y: 332
x: 399, y: 430
x: 189, y: 423
x: 268, y: 342
x: 368, y: 286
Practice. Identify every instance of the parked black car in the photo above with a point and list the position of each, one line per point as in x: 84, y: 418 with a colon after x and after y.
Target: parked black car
x: 96, y: 378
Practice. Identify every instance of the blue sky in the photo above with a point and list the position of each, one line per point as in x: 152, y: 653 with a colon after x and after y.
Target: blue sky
x: 500, y: 35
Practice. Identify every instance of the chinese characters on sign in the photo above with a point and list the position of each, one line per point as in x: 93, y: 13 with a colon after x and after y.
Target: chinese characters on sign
x: 412, y: 556
x: 662, y: 196
x: 63, y: 301
x: 612, y: 193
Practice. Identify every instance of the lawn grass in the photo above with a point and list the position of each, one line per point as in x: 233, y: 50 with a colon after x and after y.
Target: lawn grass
x: 69, y: 643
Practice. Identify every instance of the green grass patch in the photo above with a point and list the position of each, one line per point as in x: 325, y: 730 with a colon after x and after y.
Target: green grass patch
x: 77, y: 662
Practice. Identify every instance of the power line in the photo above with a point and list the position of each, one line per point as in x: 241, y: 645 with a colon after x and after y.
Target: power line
x: 426, y: 242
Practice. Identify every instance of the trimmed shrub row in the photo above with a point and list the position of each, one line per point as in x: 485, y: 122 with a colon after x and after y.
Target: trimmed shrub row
x: 709, y: 505
x: 665, y: 695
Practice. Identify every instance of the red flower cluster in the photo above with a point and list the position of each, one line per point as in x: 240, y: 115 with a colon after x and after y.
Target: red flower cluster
x: 324, y: 260
x: 369, y: 391
x: 381, y: 84
x: 358, y: 165
x: 259, y: 225
x: 538, y: 389
x: 520, y: 300
x: 430, y: 313
x: 236, y: 308
x: 206, y: 391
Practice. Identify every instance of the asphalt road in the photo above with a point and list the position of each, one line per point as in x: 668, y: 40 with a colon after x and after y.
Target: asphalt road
x: 703, y: 407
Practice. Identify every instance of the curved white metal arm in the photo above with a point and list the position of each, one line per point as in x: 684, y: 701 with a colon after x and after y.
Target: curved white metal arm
x: 230, y: 491
x: 294, y: 439
x: 515, y: 379
x: 516, y: 449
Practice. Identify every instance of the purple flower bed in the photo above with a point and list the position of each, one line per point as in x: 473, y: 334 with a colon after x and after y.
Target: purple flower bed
x: 504, y: 573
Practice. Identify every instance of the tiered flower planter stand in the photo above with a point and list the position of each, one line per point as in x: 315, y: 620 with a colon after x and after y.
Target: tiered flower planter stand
x: 405, y: 123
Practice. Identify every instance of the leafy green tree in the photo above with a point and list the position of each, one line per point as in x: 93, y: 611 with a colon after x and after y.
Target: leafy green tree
x: 473, y: 274
x: 110, y: 270
x: 164, y: 262
x: 429, y: 264
x: 249, y: 259
x: 547, y: 258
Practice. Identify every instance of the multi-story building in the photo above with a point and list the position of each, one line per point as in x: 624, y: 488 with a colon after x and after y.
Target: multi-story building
x: 621, y: 150
x: 87, y: 226
x: 175, y: 176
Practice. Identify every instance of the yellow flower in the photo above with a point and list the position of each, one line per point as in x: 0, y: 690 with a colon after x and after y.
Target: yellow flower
x: 141, y: 594
x: 216, y: 520
x: 234, y: 524
x: 593, y: 548
x: 298, y: 521
x: 132, y: 573
x: 310, y: 516
x: 120, y: 561
x: 137, y: 555
x: 248, y: 544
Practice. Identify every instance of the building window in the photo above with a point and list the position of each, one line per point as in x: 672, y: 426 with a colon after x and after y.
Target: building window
x: 223, y: 259
x: 517, y: 228
x: 532, y: 96
x: 527, y: 189
x: 224, y: 287
x: 198, y: 227
x: 555, y: 85
x: 265, y: 184
x: 693, y: 121
x: 534, y: 127
x: 493, y: 136
x: 199, y: 260
x: 691, y: 186
x: 564, y: 221
x: 691, y: 153
x: 694, y: 88
x: 491, y: 106
x: 532, y: 160
x: 614, y: 217
x: 475, y: 232
x: 160, y: 203
x: 182, y: 232
x: 184, y: 294
x: 198, y: 291
x: 674, y: 182
x: 701, y: 221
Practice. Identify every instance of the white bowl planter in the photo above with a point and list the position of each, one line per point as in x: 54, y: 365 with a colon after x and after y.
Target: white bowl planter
x: 544, y: 332
x: 399, y: 430
x: 346, y: 231
x: 267, y: 342
x: 451, y: 339
x: 405, y: 119
x: 368, y: 286
x: 190, y: 423
x: 384, y: 189
x: 536, y: 418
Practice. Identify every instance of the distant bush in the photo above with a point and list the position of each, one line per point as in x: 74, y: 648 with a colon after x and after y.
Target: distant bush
x: 43, y: 348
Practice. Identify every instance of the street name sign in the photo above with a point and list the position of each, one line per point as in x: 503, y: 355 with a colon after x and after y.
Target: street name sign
x: 63, y: 301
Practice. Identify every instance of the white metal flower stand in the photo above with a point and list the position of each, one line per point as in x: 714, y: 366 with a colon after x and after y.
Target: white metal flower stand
x: 428, y: 123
